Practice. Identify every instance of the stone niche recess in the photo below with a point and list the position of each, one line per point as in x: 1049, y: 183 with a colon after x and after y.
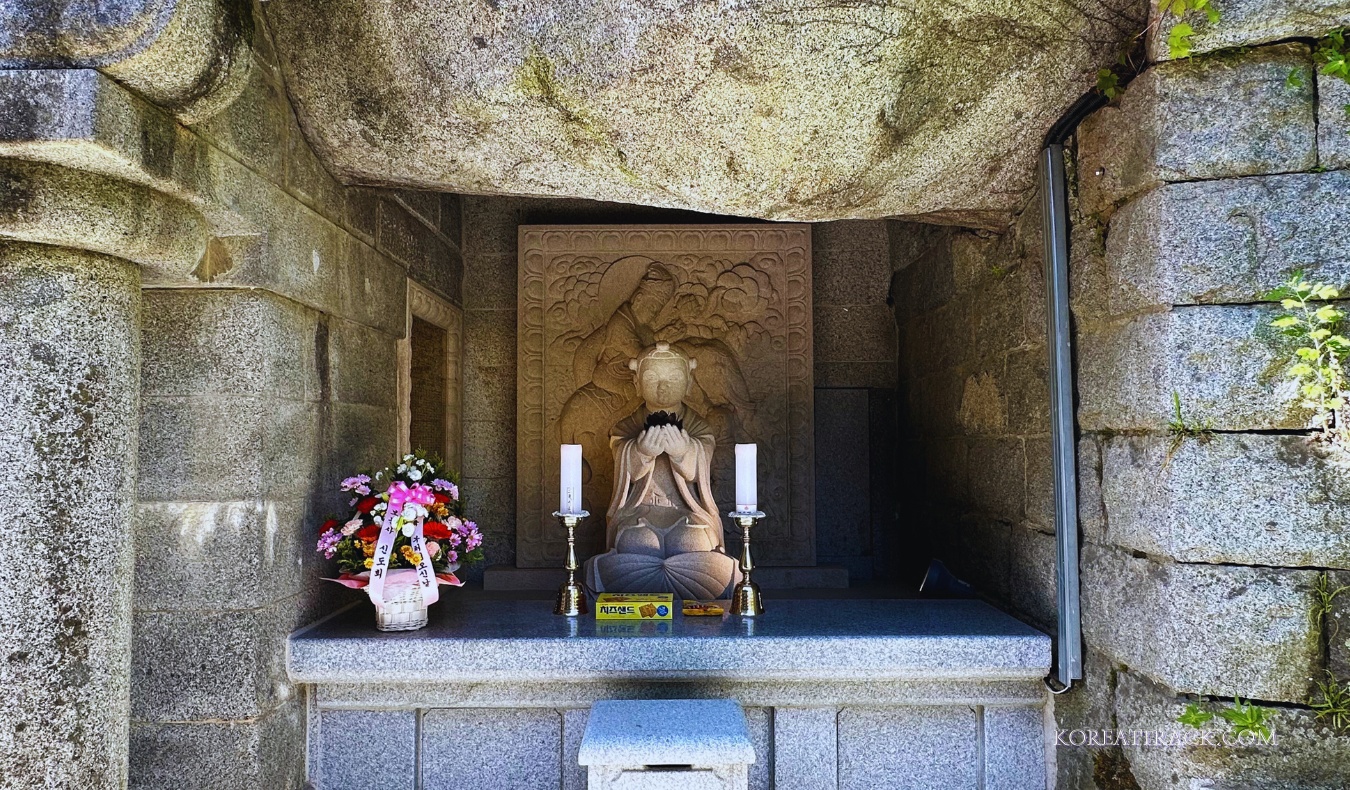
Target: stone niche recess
x: 736, y: 298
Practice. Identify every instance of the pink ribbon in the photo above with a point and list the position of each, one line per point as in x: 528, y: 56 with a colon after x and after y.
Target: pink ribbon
x: 399, y: 496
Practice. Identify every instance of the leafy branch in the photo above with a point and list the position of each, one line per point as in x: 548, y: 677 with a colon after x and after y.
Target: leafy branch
x: 1319, y: 361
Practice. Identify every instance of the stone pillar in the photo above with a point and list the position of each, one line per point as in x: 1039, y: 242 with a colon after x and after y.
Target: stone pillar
x: 70, y: 356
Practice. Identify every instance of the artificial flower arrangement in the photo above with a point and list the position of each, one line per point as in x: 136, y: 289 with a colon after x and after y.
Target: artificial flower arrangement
x: 405, y: 537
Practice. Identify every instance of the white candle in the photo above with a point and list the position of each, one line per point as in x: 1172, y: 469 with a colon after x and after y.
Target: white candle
x: 746, y: 499
x: 569, y: 492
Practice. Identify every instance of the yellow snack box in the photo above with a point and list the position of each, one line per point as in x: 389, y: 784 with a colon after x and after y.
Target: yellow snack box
x: 634, y: 606
x: 701, y: 608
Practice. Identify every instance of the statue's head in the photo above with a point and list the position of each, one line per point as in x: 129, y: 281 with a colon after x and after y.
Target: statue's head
x: 656, y: 287
x: 663, y: 376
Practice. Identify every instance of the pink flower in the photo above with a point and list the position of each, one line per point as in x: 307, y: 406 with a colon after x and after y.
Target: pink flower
x: 433, y: 548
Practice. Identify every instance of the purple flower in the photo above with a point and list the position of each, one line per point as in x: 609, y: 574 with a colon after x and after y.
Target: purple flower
x: 328, y: 543
x: 447, y: 486
x: 352, y: 483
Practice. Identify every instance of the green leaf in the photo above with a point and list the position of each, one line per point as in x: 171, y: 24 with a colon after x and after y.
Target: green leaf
x: 1195, y: 716
x: 1295, y: 78
x: 1179, y: 41
x: 1301, y: 369
x: 1284, y: 321
x: 1108, y: 83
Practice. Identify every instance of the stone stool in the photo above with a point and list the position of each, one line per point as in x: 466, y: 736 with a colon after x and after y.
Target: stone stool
x: 679, y: 744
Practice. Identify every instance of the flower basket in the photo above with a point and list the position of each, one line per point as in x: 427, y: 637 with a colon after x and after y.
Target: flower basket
x: 403, y: 610
x: 405, y: 538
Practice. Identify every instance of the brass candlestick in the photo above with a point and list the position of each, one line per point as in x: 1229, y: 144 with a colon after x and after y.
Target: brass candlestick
x: 745, y: 598
x: 571, y: 597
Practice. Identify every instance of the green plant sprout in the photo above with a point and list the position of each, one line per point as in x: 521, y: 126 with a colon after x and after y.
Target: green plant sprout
x: 1182, y: 429
x: 1331, y: 55
x: 1247, y: 718
x: 1319, y: 360
x: 1334, y: 706
x: 1323, y: 597
x: 1195, y: 716
x: 1179, y: 38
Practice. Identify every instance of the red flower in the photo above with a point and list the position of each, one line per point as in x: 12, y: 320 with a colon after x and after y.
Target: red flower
x: 369, y: 533
x: 442, y: 499
x: 367, y: 504
x: 331, y: 523
x: 435, y: 530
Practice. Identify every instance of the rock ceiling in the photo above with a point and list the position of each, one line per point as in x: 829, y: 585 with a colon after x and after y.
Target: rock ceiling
x: 781, y: 109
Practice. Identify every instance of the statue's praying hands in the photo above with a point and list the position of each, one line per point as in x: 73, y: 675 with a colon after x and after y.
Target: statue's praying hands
x: 663, y: 532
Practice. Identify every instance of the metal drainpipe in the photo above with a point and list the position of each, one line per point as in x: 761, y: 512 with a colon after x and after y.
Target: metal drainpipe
x: 1063, y: 434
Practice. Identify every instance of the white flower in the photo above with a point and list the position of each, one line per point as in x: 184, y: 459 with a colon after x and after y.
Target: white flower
x: 402, y: 468
x: 408, y: 529
x: 414, y: 475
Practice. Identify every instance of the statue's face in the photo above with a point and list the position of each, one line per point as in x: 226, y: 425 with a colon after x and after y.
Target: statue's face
x: 664, y: 383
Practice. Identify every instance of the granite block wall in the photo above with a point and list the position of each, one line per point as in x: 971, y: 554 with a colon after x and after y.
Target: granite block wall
x: 1206, y: 185
x: 270, y: 300
x: 854, y: 357
x: 974, y: 458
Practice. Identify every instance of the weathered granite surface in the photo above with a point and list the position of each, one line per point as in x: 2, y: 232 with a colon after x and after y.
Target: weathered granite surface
x: 1248, y: 499
x: 1305, y: 752
x: 1222, y: 116
x: 666, y: 732
x: 785, y: 109
x: 1175, y: 623
x: 1215, y: 242
x: 1248, y: 22
x: 192, y: 57
x: 522, y: 641
x: 70, y: 352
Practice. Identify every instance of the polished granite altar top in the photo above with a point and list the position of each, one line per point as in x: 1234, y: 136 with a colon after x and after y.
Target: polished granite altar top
x: 488, y: 637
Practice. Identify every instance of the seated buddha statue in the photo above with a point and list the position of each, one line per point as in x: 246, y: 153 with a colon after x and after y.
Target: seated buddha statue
x: 663, y: 532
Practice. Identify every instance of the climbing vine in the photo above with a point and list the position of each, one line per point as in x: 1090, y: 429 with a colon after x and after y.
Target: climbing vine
x: 1110, y: 81
x: 1179, y: 37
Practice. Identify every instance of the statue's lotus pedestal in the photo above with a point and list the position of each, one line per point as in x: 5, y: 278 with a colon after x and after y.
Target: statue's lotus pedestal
x: 836, y: 693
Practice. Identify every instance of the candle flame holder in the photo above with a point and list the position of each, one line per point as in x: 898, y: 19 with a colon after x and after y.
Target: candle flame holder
x: 745, y: 598
x: 571, y: 597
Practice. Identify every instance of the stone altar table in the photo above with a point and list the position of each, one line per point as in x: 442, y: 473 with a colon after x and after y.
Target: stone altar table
x: 837, y: 694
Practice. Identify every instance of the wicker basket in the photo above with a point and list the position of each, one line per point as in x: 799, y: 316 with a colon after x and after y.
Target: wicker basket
x: 403, y: 610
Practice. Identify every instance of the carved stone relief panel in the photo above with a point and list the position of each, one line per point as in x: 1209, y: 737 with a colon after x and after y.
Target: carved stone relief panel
x: 736, y: 298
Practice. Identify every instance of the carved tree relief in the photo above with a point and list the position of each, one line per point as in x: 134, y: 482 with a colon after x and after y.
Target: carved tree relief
x: 737, y: 298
